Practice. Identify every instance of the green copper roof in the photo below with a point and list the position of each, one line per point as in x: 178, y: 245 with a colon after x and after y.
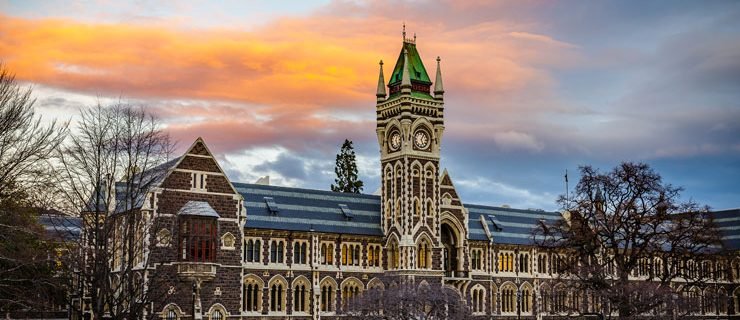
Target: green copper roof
x: 416, y: 68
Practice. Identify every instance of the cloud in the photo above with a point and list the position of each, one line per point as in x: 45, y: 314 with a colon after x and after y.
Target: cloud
x: 517, y: 140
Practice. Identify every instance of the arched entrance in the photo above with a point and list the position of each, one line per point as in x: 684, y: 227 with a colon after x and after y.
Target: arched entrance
x: 450, y: 255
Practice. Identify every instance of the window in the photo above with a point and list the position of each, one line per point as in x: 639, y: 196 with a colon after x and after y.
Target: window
x: 506, y: 262
x: 253, y: 250
x: 508, y: 298
x: 197, y: 239
x: 252, y: 294
x: 198, y: 181
x: 476, y: 258
x: 558, y: 301
x: 526, y: 302
x: 327, y: 253
x: 217, y: 315
x: 477, y: 299
x: 277, y: 251
x: 523, y: 263
x: 301, y: 297
x: 373, y: 256
x: 299, y: 252
x: 350, y: 291
x: 351, y: 254
x: 171, y: 314
x: 393, y: 256
x: 327, y: 297
x: 424, y: 255
x: 277, y: 297
x: 542, y: 263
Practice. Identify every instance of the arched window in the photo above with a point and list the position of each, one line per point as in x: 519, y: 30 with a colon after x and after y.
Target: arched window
x: 526, y: 298
x: 252, y: 294
x: 351, y: 289
x: 393, y: 255
x: 356, y: 256
x: 277, y: 296
x: 476, y: 258
x: 558, y: 300
x: 327, y: 296
x: 545, y: 296
x: 542, y: 263
x: 217, y: 314
x: 722, y: 301
x: 423, y: 254
x: 171, y: 312
x: 478, y: 299
x: 736, y: 300
x: 345, y: 256
x: 508, y: 298
x: 301, y: 296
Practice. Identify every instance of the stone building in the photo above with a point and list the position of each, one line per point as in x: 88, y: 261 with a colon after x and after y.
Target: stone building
x: 255, y: 251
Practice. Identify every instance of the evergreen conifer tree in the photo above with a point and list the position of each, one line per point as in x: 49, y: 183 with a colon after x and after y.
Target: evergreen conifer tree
x: 346, y: 170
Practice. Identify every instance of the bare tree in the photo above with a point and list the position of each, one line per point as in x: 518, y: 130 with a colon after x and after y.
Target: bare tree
x: 26, y: 145
x: 407, y: 301
x: 627, y: 243
x: 106, y: 170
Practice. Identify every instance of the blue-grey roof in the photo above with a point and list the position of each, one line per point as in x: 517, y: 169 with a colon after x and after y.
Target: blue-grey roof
x: 728, y: 223
x: 304, y: 209
x: 298, y: 209
x: 506, y: 225
x: 198, y: 208
x: 60, y: 227
x: 325, y: 211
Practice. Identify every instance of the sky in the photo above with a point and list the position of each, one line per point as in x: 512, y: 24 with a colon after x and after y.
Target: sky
x: 532, y: 88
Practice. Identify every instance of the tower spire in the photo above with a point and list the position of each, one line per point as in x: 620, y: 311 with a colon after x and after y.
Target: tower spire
x: 438, y: 87
x: 380, y: 94
x: 405, y: 76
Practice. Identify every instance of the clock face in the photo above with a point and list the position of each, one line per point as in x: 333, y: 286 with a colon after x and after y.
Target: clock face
x: 395, y: 141
x: 421, y: 139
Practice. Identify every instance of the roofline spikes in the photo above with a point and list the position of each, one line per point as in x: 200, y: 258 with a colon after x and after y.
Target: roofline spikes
x: 407, y: 40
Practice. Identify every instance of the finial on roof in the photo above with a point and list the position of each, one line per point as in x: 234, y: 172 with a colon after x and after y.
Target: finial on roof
x: 380, y: 94
x: 438, y: 87
x: 414, y: 37
x: 404, y: 31
x: 405, y: 75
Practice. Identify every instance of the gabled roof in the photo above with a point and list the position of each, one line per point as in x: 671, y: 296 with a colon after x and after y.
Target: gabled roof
x: 417, y: 72
x: 305, y: 210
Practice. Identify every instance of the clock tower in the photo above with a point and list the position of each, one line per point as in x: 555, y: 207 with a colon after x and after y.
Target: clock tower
x: 410, y: 125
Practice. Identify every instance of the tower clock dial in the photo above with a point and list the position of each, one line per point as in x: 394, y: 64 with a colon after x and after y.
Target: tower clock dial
x: 421, y: 139
x: 395, y: 141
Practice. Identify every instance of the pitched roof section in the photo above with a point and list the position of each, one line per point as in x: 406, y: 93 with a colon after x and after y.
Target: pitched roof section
x: 198, y: 208
x: 506, y: 225
x: 728, y: 223
x: 322, y: 211
x: 417, y: 72
x: 306, y: 210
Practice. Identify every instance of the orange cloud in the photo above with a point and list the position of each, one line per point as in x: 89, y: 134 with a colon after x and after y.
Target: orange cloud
x: 307, y: 61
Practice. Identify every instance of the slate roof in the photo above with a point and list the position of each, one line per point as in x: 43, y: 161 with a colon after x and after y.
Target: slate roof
x: 728, y: 223
x: 60, y: 227
x: 198, y: 208
x: 304, y: 209
x: 506, y: 225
